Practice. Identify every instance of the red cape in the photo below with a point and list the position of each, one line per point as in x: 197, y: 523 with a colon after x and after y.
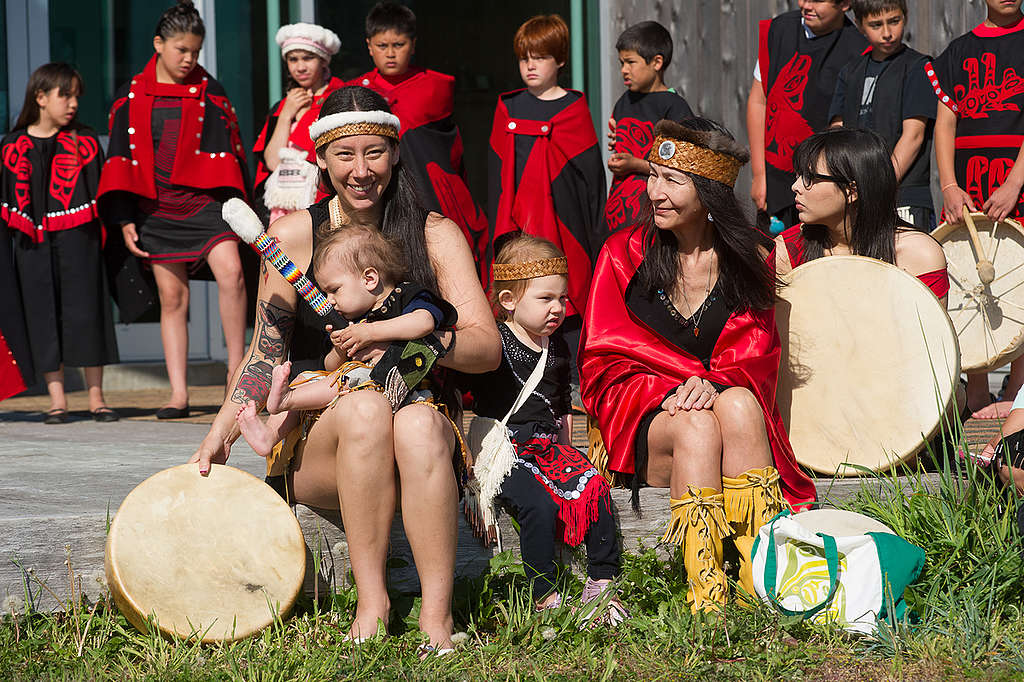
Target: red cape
x: 423, y: 100
x: 298, y: 138
x: 561, y: 193
x: 209, y: 154
x: 626, y: 369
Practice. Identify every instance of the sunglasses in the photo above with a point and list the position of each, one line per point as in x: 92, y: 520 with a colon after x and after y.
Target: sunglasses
x: 811, y: 179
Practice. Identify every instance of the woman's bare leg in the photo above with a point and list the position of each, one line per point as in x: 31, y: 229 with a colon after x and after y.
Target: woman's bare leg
x: 349, y: 459
x: 684, y: 449
x: 55, y: 388
x: 94, y: 383
x: 744, y: 437
x: 172, y: 285
x: 423, y: 451
x: 227, y: 270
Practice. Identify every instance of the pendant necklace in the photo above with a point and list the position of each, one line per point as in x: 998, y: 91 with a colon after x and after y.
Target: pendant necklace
x: 695, y: 318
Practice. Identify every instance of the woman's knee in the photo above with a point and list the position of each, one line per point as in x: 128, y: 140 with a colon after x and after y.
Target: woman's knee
x: 694, y: 428
x: 361, y: 413
x: 173, y: 297
x: 737, y: 407
x: 423, y: 437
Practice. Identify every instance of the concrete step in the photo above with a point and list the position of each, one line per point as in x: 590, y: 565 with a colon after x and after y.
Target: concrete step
x: 136, y: 376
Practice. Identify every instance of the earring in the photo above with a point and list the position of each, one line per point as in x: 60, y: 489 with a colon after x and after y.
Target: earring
x: 711, y: 218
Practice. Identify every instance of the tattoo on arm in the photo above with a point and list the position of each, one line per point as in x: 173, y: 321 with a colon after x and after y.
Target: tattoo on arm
x: 274, y: 326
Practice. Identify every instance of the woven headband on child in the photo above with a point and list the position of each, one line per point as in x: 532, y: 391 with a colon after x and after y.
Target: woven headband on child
x: 344, y: 123
x: 510, y: 272
x: 692, y: 158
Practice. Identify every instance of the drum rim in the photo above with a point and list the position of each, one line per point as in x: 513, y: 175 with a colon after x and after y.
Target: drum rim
x: 1016, y: 347
x: 129, y: 606
x: 848, y: 471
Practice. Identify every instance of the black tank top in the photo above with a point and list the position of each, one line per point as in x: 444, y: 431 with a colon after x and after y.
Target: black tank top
x: 309, y: 341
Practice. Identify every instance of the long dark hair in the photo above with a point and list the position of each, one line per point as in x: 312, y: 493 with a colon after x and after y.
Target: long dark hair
x: 860, y: 160
x: 46, y: 78
x: 744, y: 278
x: 182, y: 17
x: 404, y: 216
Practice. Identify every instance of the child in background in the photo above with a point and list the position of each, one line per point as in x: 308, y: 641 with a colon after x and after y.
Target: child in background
x: 645, y: 51
x: 48, y: 185
x: 553, y: 491
x: 799, y: 57
x: 887, y: 90
x: 979, y: 128
x: 423, y: 100
x: 361, y: 272
x: 546, y: 175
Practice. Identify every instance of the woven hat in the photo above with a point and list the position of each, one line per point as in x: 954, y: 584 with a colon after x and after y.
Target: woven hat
x: 323, y: 42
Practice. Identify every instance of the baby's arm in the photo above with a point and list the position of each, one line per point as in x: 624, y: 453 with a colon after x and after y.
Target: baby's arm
x: 406, y: 327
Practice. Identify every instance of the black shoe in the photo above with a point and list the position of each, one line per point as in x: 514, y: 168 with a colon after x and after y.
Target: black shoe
x: 104, y: 414
x: 172, y: 412
x: 57, y: 415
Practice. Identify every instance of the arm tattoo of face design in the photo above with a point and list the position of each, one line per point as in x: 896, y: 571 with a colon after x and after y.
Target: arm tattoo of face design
x: 274, y: 327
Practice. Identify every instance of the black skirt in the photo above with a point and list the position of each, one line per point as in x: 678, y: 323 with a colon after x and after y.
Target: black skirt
x: 64, y: 293
x: 189, y: 240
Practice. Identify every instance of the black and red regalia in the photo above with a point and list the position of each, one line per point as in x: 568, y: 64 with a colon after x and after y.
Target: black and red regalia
x: 298, y: 138
x: 635, y: 115
x: 423, y: 100
x: 55, y: 309
x: 980, y: 78
x: 627, y: 368
x: 798, y: 75
x: 546, y: 178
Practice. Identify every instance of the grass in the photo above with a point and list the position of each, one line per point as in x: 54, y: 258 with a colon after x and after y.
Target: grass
x: 968, y: 599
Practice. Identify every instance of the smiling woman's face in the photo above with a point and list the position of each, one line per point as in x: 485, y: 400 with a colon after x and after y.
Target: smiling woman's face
x: 360, y: 167
x: 673, y: 196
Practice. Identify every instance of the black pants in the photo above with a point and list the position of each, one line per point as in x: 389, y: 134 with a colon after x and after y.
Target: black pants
x: 530, y: 504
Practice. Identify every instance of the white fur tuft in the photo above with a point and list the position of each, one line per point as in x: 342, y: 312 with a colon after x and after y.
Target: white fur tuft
x: 321, y: 41
x: 344, y: 118
x: 242, y: 219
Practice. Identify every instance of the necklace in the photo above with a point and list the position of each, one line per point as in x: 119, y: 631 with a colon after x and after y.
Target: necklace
x: 695, y: 318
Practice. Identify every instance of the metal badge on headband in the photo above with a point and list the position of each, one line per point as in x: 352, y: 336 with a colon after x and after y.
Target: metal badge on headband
x: 509, y: 272
x: 692, y: 158
x: 329, y: 128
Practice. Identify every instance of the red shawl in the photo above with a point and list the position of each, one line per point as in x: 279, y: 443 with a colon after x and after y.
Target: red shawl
x: 626, y: 369
x: 209, y: 154
x: 298, y: 138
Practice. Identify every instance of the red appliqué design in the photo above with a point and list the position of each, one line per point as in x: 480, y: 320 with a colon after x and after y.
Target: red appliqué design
x: 979, y: 98
x: 985, y: 175
x: 68, y: 163
x: 634, y: 136
x: 785, y: 127
x: 16, y: 160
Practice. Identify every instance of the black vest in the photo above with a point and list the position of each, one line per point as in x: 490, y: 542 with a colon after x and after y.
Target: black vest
x: 886, y: 109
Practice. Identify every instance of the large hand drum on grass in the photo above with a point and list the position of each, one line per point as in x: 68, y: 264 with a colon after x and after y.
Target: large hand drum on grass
x: 986, y: 294
x: 869, y: 364
x: 214, y: 558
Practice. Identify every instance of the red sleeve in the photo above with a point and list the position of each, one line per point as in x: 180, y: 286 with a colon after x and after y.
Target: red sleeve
x: 762, y: 51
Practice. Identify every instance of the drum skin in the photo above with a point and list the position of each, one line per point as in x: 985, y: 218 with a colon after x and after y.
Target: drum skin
x: 989, y: 320
x: 869, y: 365
x: 214, y: 558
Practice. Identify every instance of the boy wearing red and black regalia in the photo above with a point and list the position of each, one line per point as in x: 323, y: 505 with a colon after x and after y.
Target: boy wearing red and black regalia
x: 887, y: 90
x: 979, y: 133
x: 645, y: 51
x: 800, y: 55
x: 423, y: 100
x: 546, y: 176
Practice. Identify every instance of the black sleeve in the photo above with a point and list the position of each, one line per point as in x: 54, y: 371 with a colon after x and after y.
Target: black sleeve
x: 839, y: 99
x: 680, y: 109
x: 918, y: 94
x: 563, y: 403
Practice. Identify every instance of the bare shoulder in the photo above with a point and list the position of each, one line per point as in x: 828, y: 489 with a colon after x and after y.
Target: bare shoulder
x: 295, y: 234
x: 918, y: 253
x: 440, y: 230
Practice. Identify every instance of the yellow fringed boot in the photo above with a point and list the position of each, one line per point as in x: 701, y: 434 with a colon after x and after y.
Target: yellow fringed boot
x: 698, y: 524
x: 751, y: 500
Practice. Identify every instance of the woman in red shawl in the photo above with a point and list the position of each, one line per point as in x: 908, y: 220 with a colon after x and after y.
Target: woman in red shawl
x: 680, y: 355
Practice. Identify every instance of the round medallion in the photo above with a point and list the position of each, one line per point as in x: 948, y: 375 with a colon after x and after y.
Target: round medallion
x: 667, y: 149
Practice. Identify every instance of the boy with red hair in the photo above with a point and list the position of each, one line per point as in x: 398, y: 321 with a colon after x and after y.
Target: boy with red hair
x: 546, y: 176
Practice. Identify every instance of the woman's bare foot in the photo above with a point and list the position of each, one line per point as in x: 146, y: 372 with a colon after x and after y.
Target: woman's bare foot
x: 279, y: 388
x: 258, y: 435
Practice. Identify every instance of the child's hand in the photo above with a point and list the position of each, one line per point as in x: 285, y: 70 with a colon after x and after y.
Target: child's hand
x: 1002, y: 201
x: 953, y: 201
x: 622, y: 163
x: 354, y: 337
x: 612, y: 137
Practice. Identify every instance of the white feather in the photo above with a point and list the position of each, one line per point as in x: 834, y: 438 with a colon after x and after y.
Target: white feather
x: 242, y: 219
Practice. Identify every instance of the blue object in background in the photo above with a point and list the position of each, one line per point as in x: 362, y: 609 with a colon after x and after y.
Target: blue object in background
x: 776, y: 226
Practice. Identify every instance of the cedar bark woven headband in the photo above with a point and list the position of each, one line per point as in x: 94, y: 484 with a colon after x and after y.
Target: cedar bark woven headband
x: 510, y: 272
x: 329, y: 128
x: 692, y: 158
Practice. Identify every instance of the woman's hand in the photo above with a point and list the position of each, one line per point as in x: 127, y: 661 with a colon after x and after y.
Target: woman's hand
x: 693, y: 394
x: 131, y: 240
x: 953, y: 201
x: 213, y: 450
x: 1002, y: 201
x: 295, y: 101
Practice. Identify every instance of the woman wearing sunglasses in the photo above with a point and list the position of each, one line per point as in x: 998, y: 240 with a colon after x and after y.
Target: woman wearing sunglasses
x: 846, y: 201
